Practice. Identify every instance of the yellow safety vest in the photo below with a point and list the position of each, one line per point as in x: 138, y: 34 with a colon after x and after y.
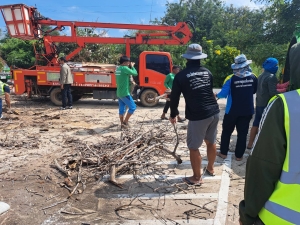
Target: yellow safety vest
x: 2, y: 88
x: 283, y: 207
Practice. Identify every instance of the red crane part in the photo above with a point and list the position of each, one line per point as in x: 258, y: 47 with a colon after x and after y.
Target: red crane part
x: 25, y: 22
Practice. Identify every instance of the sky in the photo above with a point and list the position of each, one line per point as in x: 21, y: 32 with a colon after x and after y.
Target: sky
x: 107, y: 11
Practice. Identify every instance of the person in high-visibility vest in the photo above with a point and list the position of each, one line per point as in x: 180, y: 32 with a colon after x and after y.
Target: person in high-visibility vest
x: 272, y: 183
x: 4, y: 90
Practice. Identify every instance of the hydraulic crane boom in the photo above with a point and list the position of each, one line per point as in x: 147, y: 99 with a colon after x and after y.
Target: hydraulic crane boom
x: 25, y: 22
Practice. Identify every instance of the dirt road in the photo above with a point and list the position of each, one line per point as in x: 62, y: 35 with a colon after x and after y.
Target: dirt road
x: 32, y: 186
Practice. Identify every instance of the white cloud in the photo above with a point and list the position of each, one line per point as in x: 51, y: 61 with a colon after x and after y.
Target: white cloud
x: 124, y: 31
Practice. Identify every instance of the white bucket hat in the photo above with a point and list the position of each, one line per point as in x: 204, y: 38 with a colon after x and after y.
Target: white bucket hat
x: 194, y: 51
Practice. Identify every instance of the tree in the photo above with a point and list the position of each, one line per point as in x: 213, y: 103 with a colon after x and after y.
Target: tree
x: 282, y: 21
x: 103, y: 53
x: 202, y: 13
x: 17, y: 53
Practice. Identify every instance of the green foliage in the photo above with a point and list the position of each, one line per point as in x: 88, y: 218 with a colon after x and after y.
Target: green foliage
x: 258, y: 33
x: 219, y: 60
x: 17, y: 53
x: 1, y: 66
x: 260, y: 52
x: 92, y: 52
x: 256, y: 68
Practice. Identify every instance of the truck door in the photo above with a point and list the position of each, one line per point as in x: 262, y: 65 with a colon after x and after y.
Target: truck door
x: 154, y: 66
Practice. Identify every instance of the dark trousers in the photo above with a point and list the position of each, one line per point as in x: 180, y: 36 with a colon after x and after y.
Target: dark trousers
x: 167, y: 105
x: 66, y: 94
x: 241, y: 123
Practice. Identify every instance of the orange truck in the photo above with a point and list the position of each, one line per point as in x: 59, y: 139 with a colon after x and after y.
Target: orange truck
x: 26, y: 22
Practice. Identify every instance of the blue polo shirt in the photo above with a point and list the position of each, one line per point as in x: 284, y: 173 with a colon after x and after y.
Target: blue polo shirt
x: 6, y: 89
x: 239, y: 93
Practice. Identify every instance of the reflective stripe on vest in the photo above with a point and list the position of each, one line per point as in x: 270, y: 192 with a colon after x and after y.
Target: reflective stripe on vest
x: 1, y: 88
x: 283, y: 206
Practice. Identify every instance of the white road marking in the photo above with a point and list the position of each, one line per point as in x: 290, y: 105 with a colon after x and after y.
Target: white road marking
x: 148, y: 196
x: 167, y: 222
x: 221, y: 214
x: 158, y: 177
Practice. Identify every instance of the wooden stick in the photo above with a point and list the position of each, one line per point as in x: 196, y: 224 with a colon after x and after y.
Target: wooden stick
x: 60, y: 168
x: 177, y: 157
x: 71, y: 213
x: 55, y: 204
x: 177, y: 139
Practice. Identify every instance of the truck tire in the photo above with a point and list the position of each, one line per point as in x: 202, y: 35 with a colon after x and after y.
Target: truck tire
x: 55, y: 96
x: 148, y: 98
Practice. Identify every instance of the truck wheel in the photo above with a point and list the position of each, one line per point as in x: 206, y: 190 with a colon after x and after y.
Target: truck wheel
x: 55, y: 96
x: 148, y: 98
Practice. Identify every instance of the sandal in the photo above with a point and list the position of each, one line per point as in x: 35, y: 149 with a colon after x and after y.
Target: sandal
x: 181, y: 120
x: 187, y: 180
x: 238, y: 159
x: 209, y: 173
x: 221, y: 155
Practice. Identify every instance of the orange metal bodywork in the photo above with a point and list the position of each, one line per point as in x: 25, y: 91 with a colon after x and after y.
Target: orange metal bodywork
x: 25, y: 23
x: 155, y: 80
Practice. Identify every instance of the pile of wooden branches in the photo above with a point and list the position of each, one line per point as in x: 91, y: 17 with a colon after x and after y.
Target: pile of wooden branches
x: 136, y: 151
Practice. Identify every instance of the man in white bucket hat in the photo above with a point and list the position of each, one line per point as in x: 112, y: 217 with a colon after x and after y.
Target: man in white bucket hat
x: 195, y: 82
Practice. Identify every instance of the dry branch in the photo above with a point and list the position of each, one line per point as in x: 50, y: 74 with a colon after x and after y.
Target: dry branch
x: 60, y: 168
x: 137, y: 151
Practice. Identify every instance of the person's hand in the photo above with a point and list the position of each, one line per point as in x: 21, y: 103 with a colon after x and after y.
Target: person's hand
x: 215, y: 94
x: 173, y: 120
x: 132, y: 64
x: 61, y: 86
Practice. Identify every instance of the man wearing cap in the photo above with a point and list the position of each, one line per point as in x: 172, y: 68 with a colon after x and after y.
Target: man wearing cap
x: 195, y: 82
x: 238, y: 90
x: 123, y: 73
x: 66, y: 79
x: 266, y: 89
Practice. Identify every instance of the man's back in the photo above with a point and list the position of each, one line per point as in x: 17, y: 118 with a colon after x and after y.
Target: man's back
x: 66, y: 74
x: 196, y: 84
x: 266, y: 88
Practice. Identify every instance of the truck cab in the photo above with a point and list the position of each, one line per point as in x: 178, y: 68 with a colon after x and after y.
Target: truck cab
x: 153, y: 67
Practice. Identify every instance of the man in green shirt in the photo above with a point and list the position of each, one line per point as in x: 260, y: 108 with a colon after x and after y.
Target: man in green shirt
x: 123, y: 73
x: 264, y: 167
x: 168, y: 84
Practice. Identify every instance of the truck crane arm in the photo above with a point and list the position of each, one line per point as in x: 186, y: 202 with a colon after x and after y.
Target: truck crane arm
x: 25, y: 23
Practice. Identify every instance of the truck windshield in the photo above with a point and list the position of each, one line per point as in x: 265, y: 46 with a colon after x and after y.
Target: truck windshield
x: 159, y: 63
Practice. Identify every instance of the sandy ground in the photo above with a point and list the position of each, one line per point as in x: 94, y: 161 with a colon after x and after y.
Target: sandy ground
x: 41, y: 133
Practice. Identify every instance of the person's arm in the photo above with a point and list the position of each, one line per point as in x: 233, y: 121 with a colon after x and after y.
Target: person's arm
x: 129, y: 71
x: 166, y: 83
x: 175, y: 97
x: 225, y: 90
x: 63, y: 75
x: 272, y: 84
x: 254, y: 84
x: 264, y: 166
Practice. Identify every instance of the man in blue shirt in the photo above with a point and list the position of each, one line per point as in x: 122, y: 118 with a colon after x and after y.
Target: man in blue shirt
x: 238, y: 89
